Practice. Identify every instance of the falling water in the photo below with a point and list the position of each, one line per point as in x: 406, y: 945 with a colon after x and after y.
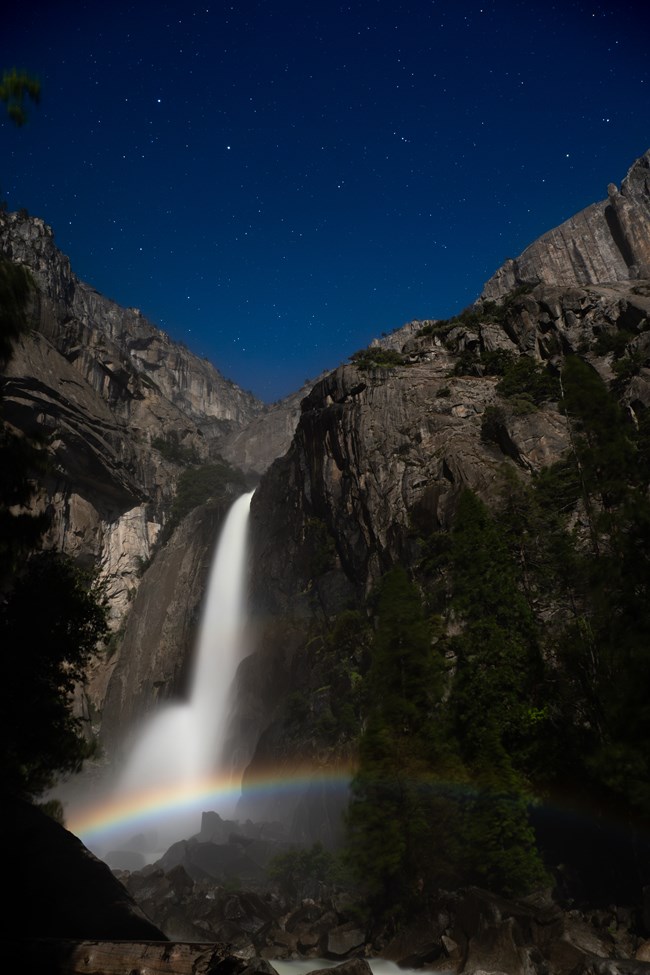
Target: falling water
x: 181, y: 746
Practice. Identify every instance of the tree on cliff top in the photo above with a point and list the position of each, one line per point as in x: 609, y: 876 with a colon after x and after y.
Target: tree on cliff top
x: 15, y: 88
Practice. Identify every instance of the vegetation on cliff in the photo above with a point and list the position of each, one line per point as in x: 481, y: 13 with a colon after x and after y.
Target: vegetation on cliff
x: 50, y: 627
x: 16, y: 88
x: 200, y: 485
x: 504, y: 668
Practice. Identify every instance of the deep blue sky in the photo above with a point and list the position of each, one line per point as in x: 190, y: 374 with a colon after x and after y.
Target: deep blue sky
x: 276, y: 183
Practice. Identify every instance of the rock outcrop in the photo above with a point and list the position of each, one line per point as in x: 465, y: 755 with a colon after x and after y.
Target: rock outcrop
x: 608, y: 241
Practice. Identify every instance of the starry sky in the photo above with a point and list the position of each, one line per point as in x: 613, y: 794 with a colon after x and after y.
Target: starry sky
x: 275, y: 183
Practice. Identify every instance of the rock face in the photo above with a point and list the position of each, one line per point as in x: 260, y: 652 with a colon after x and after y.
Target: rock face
x: 130, y: 363
x: 377, y: 464
x: 121, y: 403
x: 380, y: 455
x: 124, y: 410
x: 266, y: 436
x: 161, y: 629
x: 608, y: 241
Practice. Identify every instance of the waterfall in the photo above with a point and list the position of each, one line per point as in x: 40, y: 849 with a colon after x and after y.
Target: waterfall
x: 176, y: 761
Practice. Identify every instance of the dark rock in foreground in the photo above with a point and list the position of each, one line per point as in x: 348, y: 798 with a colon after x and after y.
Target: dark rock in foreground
x: 58, y: 888
x: 128, y: 957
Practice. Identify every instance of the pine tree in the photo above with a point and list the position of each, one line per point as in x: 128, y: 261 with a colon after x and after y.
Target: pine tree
x: 398, y: 812
x: 604, y: 650
x: 496, y: 704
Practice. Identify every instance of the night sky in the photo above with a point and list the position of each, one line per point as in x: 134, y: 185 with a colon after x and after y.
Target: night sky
x: 277, y: 183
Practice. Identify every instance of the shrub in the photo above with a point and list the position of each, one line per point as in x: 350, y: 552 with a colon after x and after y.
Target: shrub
x: 173, y: 451
x: 198, y: 485
x: 525, y: 377
x: 377, y: 358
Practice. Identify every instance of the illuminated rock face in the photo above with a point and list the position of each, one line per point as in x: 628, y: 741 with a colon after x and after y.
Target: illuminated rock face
x: 123, y: 407
x: 377, y: 464
x: 608, y: 241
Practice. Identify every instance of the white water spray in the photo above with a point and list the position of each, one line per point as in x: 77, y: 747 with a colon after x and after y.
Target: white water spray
x: 182, y: 745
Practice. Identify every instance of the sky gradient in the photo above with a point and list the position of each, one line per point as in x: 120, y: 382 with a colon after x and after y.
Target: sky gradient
x: 277, y: 183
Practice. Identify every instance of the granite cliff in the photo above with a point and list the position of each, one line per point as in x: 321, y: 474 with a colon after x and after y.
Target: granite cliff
x: 121, y: 404
x: 378, y: 461
x: 124, y: 410
x: 386, y: 444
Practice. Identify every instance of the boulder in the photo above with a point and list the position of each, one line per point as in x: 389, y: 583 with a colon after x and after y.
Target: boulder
x: 343, y: 940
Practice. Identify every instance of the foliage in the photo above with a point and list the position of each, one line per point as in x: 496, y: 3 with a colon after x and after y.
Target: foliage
x: 614, y: 341
x: 497, y: 688
x: 393, y: 848
x: 199, y: 485
x: 375, y: 357
x: 320, y: 546
x: 603, y: 650
x: 627, y: 367
x: 50, y: 626
x: 492, y: 424
x: 22, y: 460
x: 602, y: 449
x: 330, y: 705
x: 170, y: 448
x: 440, y: 328
x: 345, y: 652
x: 300, y: 872
x: 15, y: 287
x: 475, y: 363
x: 482, y: 313
x: 524, y: 376
x: 15, y: 88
